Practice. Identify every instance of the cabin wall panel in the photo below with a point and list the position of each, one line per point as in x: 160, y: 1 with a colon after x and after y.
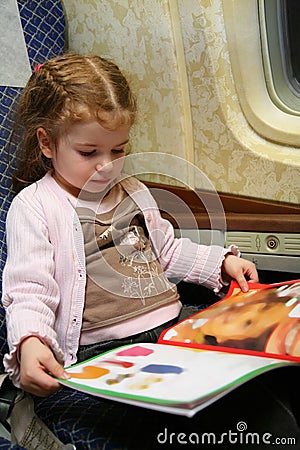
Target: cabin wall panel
x: 177, y: 57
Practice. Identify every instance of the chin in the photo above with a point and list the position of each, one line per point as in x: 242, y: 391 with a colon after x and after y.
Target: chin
x: 93, y: 189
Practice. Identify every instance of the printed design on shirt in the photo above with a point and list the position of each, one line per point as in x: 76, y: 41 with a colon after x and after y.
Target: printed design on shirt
x: 139, y: 257
x: 106, y: 235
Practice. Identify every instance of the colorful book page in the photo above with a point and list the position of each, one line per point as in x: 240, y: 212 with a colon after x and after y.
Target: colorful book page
x: 166, y: 377
x: 264, y: 321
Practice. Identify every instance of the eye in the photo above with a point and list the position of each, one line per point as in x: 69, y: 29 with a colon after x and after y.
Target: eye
x: 86, y: 154
x: 118, y: 151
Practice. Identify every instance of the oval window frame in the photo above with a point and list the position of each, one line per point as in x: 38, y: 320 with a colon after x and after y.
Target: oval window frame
x: 247, y: 42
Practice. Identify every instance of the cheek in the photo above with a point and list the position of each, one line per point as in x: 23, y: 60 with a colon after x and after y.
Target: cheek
x: 118, y: 164
x: 72, y: 171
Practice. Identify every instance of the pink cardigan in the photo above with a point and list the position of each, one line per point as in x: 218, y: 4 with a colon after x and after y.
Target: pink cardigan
x: 44, y: 276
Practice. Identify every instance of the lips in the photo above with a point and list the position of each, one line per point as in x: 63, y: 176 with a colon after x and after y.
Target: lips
x: 102, y: 181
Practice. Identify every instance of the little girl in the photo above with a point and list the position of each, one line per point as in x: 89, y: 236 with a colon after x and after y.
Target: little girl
x: 77, y: 113
x: 89, y: 256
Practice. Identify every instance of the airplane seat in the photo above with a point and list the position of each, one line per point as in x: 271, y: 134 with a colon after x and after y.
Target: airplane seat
x: 42, y: 26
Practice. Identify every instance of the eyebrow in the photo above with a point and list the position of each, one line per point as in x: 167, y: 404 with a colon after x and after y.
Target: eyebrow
x: 95, y: 145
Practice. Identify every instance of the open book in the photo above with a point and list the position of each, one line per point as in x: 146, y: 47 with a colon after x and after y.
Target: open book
x: 202, y: 358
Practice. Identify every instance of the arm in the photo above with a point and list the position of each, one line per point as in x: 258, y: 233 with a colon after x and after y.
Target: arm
x: 183, y: 259
x: 191, y: 262
x: 30, y: 292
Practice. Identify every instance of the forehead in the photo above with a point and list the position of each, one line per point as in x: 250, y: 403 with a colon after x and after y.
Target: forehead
x: 92, y: 132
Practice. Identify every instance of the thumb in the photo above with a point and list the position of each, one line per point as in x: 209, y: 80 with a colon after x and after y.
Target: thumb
x: 56, y: 369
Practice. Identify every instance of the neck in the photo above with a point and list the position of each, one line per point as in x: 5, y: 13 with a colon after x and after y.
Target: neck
x: 73, y: 190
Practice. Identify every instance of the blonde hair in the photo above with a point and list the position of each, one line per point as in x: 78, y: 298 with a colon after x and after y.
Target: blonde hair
x: 62, y: 91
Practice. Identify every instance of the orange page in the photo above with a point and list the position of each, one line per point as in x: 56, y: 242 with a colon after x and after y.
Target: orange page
x: 264, y: 321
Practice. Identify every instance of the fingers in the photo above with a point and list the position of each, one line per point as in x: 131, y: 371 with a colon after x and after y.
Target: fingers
x: 242, y: 282
x: 251, y: 273
x: 54, y: 368
x: 248, y: 274
x: 242, y: 270
x: 38, y: 363
x: 39, y: 383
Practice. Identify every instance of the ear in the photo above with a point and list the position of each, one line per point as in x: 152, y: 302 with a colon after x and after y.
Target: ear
x: 44, y: 142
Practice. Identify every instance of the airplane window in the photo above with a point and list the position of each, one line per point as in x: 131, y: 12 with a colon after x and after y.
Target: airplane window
x: 263, y: 38
x: 290, y: 14
x: 281, y: 59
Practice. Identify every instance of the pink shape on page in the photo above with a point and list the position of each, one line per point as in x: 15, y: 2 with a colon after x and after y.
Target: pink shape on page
x: 135, y: 351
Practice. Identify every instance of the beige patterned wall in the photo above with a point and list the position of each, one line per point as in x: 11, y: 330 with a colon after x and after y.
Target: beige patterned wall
x: 176, y: 55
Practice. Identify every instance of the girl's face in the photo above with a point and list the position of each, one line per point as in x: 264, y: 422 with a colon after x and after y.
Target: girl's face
x: 87, y: 156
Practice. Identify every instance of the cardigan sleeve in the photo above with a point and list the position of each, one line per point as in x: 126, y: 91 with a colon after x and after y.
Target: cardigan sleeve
x: 184, y: 259
x: 30, y: 293
x: 180, y: 258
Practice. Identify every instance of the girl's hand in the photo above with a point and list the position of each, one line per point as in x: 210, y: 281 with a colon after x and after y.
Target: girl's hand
x: 241, y: 270
x: 36, y: 359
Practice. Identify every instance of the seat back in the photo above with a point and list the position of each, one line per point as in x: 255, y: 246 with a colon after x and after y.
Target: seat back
x: 43, y: 34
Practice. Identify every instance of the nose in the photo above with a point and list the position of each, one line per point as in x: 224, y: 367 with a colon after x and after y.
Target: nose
x: 105, y: 165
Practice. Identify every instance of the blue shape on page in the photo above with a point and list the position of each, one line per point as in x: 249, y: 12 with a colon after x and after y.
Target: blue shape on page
x: 162, y: 369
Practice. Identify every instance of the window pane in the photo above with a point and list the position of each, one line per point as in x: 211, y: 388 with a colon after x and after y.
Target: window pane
x: 282, y: 26
x: 291, y: 32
